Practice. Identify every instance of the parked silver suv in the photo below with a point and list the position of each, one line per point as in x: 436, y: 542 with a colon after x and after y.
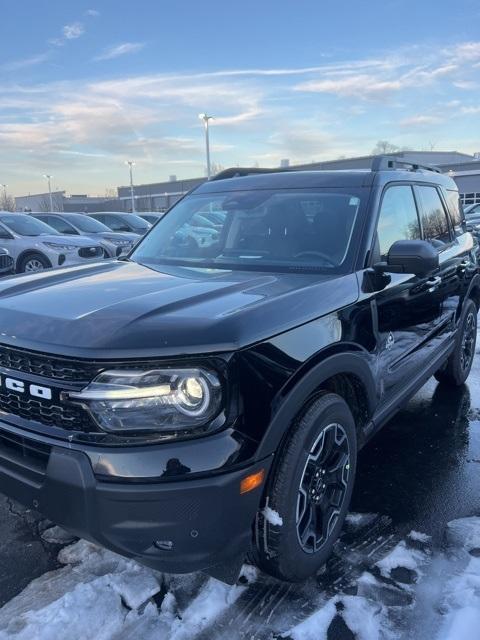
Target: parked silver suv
x: 35, y: 246
x: 77, y: 224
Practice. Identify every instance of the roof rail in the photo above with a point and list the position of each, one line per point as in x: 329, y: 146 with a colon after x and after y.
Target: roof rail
x: 238, y: 172
x: 383, y: 163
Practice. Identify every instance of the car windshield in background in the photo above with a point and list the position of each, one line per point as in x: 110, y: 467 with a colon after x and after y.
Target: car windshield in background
x: 136, y: 222
x: 87, y: 224
x: 26, y: 226
x: 262, y: 229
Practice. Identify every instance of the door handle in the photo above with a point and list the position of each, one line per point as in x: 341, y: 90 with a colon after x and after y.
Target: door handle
x: 433, y: 283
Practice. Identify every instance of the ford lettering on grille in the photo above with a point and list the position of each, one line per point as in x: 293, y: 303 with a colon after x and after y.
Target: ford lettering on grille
x: 19, y: 386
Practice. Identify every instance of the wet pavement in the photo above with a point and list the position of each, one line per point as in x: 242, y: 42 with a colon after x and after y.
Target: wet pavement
x: 421, y: 471
x: 23, y: 554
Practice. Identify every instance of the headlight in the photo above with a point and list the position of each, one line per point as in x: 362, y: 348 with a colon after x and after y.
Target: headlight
x: 60, y: 247
x: 159, y: 400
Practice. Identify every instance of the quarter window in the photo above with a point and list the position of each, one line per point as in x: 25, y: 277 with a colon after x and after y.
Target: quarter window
x: 453, y: 202
x: 398, y: 218
x: 434, y: 217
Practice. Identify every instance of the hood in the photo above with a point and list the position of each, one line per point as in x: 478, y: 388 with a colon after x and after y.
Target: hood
x: 75, y: 241
x: 124, y: 309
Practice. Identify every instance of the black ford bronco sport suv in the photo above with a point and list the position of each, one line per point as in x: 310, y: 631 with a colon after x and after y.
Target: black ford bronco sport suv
x: 206, y: 397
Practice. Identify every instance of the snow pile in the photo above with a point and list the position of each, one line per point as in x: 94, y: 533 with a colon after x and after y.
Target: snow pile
x: 461, y: 593
x: 402, y: 556
x: 356, y: 614
x: 90, y: 598
x: 357, y: 520
x: 100, y: 595
x: 57, y: 535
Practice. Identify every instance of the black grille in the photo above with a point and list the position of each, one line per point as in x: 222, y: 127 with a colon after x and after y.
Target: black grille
x: 90, y: 252
x: 24, y: 451
x: 70, y: 417
x: 6, y: 262
x: 48, y: 366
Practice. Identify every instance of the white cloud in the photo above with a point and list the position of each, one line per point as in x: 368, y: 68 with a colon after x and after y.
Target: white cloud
x: 465, y: 52
x: 470, y: 110
x: 73, y: 31
x: 120, y: 50
x: 94, y: 13
x: 22, y: 63
x: 467, y: 85
x: 420, y: 120
x: 365, y: 86
x: 69, y: 32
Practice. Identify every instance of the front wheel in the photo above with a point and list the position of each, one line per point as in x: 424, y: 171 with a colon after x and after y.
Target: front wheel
x: 309, y: 492
x: 33, y: 262
x: 458, y: 365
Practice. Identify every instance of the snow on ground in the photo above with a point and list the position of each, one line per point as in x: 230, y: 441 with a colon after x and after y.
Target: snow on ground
x: 409, y: 592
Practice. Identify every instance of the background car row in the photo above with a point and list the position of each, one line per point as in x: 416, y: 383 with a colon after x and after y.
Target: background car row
x: 38, y: 241
x: 43, y: 240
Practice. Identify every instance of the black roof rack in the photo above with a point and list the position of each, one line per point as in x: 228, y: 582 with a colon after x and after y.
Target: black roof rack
x: 383, y: 163
x: 238, y: 172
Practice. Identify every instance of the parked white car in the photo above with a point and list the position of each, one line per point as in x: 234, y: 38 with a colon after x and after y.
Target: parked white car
x: 35, y: 246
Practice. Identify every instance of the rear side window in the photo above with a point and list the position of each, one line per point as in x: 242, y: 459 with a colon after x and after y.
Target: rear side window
x: 454, y: 206
x: 433, y: 216
x: 398, y: 218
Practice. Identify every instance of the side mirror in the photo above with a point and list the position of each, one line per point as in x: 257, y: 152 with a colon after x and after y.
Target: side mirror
x: 410, y: 256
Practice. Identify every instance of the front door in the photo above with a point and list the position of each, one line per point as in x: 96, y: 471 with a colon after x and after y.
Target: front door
x: 407, y: 308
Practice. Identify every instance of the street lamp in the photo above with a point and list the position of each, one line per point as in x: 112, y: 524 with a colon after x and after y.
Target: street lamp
x: 131, y: 164
x: 206, y: 118
x: 49, y: 178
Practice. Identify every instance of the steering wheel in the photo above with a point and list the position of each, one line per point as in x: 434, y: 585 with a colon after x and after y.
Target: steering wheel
x: 317, y: 254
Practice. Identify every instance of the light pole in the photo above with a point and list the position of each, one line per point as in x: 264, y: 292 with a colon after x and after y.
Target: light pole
x: 206, y: 118
x: 49, y: 179
x: 131, y: 164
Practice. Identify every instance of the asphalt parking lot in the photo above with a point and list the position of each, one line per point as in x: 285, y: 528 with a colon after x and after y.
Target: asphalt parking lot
x: 420, y: 472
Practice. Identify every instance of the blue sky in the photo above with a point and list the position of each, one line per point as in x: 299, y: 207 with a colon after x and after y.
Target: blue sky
x: 88, y: 85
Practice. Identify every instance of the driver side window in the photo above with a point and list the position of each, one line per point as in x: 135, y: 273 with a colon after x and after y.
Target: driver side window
x: 398, y: 219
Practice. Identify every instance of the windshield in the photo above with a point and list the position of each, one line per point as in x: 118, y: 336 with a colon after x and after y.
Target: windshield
x: 136, y: 222
x: 27, y: 226
x: 262, y: 229
x: 86, y: 224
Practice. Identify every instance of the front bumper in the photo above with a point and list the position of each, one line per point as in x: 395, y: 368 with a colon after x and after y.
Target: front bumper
x: 173, y: 526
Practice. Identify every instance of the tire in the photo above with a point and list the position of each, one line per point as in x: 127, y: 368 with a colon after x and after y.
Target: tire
x: 32, y: 263
x: 301, y: 487
x: 458, y: 365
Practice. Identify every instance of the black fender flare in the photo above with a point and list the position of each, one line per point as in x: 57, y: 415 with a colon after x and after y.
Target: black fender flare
x: 474, y: 284
x: 290, y: 405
